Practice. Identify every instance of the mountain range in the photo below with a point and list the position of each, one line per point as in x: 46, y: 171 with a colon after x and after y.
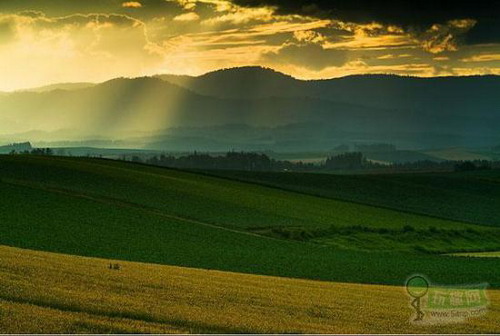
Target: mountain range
x: 253, y: 108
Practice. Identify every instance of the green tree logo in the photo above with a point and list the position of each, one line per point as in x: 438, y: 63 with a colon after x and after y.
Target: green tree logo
x: 445, y: 303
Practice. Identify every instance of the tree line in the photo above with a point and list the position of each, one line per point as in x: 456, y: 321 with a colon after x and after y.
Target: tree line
x: 251, y: 161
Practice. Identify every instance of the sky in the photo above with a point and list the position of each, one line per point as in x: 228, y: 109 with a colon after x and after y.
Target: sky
x: 54, y: 41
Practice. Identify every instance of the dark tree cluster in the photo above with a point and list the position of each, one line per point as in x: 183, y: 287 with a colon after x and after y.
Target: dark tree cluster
x: 346, y: 161
x: 36, y: 151
x: 250, y: 161
x: 473, y: 165
x: 351, y: 161
x: 229, y: 161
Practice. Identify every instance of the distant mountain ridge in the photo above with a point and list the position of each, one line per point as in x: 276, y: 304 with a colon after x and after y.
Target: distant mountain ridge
x: 384, y: 91
x: 59, y: 86
x: 274, y: 111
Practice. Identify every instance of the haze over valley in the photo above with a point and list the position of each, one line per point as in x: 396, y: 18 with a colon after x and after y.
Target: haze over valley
x: 258, y: 109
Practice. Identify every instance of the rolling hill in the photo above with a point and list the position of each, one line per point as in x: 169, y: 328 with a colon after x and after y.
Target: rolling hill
x: 283, y: 113
x: 435, y: 95
x: 68, y: 294
x: 472, y: 197
x: 126, y: 211
x: 122, y: 108
x: 60, y: 86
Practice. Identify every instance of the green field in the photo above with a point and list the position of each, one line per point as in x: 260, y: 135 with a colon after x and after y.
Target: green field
x: 472, y: 197
x: 212, y: 200
x: 133, y: 212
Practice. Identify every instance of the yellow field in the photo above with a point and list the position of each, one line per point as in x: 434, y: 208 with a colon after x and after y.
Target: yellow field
x: 495, y: 254
x: 51, y: 293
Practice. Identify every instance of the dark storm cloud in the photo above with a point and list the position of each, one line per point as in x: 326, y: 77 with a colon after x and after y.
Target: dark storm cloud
x: 486, y: 31
x: 415, y: 15
x: 310, y: 56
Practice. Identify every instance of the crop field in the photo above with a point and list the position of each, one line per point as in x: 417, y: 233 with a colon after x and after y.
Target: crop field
x: 132, y: 212
x: 62, y: 222
x: 472, y: 197
x: 206, y: 254
x: 52, y: 293
x: 495, y: 254
x: 218, y: 201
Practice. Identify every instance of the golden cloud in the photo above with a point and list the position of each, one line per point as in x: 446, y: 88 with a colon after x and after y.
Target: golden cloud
x: 356, y: 67
x: 132, y: 4
x: 441, y: 58
x: 196, y: 36
x: 191, y: 16
x: 309, y: 36
x: 392, y: 56
x: 239, y: 15
x: 88, y: 47
x: 482, y: 58
x: 462, y: 71
x: 445, y: 37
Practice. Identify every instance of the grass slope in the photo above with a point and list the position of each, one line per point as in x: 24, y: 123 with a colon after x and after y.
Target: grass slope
x: 213, y: 200
x: 132, y: 212
x: 472, y: 197
x: 67, y: 294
